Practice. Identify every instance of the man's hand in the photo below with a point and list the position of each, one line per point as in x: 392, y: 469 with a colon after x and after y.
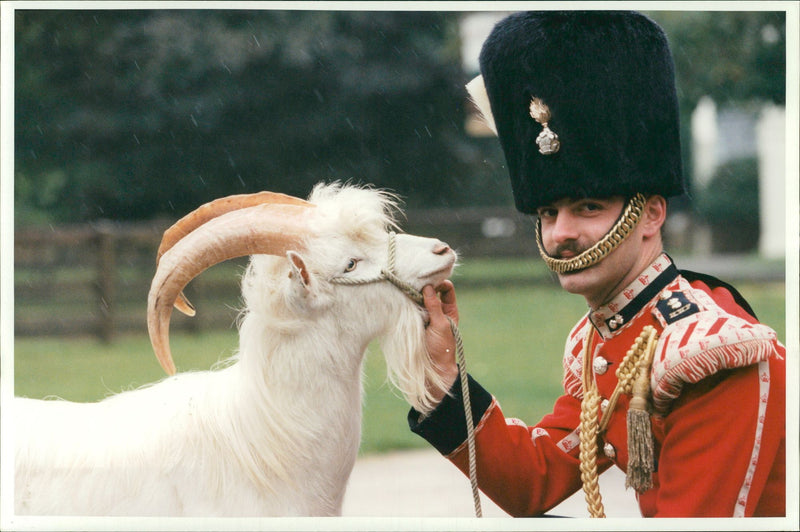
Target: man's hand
x: 440, y: 302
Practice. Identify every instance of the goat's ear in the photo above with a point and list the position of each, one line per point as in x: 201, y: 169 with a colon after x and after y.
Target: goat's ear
x: 299, y: 269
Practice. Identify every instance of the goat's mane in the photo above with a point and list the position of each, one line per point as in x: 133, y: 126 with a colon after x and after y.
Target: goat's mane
x: 361, y: 212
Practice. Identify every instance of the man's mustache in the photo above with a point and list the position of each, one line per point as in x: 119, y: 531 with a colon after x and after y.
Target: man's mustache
x: 572, y: 248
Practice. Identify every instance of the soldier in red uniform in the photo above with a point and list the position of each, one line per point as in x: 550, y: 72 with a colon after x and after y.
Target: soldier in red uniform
x: 669, y: 376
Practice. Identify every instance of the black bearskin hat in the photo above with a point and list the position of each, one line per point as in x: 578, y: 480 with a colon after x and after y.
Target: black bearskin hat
x: 603, y: 88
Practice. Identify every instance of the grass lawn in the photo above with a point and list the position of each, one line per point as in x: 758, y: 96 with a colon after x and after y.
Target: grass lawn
x: 513, y: 338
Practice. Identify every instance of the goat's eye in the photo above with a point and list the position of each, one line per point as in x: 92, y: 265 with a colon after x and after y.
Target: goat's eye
x: 351, y: 265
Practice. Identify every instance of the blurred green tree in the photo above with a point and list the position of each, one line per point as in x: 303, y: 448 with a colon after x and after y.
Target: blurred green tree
x: 730, y: 206
x: 734, y: 57
x: 134, y: 114
x: 131, y: 114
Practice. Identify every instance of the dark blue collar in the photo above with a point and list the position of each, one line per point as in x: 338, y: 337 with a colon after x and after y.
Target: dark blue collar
x: 610, y: 318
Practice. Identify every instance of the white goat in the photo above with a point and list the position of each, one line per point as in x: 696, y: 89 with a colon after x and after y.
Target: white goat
x: 276, y: 431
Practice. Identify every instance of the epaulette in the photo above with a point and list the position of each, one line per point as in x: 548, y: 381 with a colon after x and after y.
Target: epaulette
x: 698, y: 340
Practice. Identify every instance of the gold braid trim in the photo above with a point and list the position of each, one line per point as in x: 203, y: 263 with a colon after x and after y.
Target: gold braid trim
x: 588, y: 453
x: 635, y: 366
x: 590, y: 405
x: 624, y: 226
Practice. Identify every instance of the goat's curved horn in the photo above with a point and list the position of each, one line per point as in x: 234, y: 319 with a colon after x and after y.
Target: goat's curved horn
x: 270, y: 229
x: 209, y: 211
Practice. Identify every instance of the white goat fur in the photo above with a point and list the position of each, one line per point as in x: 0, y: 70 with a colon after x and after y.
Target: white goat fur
x: 273, y: 432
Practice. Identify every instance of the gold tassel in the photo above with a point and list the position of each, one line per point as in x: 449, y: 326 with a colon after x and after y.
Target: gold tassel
x: 640, y: 436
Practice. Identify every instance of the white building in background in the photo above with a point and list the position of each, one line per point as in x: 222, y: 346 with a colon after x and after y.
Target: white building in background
x: 721, y: 135
x: 475, y: 28
x: 704, y: 141
x: 771, y: 134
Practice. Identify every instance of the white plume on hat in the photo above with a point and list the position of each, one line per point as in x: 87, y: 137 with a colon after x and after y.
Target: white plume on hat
x: 477, y: 93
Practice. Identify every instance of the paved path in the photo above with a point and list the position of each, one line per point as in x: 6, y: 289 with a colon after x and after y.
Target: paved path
x: 424, y: 484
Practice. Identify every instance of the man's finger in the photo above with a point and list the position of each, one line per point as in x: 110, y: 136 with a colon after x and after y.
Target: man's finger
x: 447, y: 294
x: 433, y: 304
x: 431, y: 299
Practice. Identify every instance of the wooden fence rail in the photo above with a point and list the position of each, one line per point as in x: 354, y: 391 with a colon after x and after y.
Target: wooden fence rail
x: 93, y: 279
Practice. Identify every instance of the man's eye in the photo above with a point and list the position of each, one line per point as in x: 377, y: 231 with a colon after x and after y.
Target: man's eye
x: 545, y: 212
x: 592, y: 207
x: 351, y: 265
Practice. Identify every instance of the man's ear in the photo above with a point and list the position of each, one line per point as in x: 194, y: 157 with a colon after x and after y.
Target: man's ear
x: 653, y: 215
x: 299, y: 271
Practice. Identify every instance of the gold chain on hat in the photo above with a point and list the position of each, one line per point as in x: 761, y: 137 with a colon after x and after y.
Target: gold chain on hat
x: 624, y: 226
x: 633, y: 371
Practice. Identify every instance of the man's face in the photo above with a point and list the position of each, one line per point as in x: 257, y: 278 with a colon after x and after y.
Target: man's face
x: 571, y: 226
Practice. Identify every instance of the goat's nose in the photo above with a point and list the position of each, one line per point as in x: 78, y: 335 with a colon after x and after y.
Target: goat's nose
x: 441, y: 248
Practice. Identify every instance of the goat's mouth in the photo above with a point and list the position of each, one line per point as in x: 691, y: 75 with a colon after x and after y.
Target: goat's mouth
x: 440, y: 274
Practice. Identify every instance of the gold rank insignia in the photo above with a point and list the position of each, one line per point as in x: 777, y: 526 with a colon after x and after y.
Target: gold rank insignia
x: 547, y: 140
x: 675, y: 305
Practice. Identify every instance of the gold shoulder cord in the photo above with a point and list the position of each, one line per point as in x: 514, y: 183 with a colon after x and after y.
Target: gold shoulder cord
x: 624, y: 226
x: 633, y: 376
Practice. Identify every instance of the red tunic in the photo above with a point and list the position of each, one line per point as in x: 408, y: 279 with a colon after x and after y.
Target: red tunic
x: 718, y: 392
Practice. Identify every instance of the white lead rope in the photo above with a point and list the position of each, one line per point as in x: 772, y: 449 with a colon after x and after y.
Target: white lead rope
x: 462, y: 370
x: 416, y: 296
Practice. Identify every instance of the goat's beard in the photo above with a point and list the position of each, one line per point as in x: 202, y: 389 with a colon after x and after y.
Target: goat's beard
x: 408, y: 364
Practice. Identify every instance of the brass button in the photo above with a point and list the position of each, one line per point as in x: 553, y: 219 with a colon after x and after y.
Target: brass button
x: 600, y: 365
x: 609, y: 450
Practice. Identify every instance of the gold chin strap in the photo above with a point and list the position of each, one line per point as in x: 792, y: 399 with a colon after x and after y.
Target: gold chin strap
x: 624, y: 226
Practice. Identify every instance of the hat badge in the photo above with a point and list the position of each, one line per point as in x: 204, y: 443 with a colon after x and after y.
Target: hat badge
x: 547, y: 140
